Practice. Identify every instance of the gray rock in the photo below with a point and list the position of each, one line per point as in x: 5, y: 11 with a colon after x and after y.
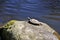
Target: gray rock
x: 0, y: 38
x: 22, y: 30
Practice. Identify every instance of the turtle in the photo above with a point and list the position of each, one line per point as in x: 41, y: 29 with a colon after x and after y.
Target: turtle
x: 34, y: 21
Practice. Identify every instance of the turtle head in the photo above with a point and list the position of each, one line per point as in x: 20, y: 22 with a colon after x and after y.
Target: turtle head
x: 29, y: 18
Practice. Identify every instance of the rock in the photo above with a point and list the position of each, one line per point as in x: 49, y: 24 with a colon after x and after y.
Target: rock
x: 0, y: 38
x: 22, y: 30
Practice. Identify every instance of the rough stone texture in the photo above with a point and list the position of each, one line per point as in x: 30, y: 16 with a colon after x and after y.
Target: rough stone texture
x: 0, y: 38
x: 22, y: 30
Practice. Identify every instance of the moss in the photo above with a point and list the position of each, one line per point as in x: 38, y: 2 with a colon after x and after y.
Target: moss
x: 5, y: 34
x: 9, y: 23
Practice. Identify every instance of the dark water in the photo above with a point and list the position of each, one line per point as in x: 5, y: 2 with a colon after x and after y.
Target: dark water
x: 21, y: 9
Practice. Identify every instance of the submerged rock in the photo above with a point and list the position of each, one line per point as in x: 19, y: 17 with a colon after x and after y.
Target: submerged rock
x: 23, y: 30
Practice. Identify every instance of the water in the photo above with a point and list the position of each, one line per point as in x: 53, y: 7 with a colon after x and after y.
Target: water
x: 21, y: 9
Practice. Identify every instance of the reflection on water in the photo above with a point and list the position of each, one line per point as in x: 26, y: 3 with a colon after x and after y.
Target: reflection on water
x: 21, y: 9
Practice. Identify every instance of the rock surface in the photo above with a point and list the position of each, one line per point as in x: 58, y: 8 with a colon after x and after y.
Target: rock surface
x: 22, y: 30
